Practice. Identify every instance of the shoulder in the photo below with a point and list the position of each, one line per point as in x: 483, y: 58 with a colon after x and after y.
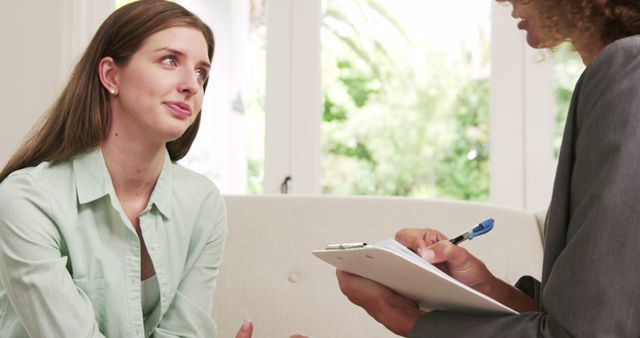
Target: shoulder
x: 185, y: 177
x: 30, y: 196
x: 193, y: 186
x: 46, y: 178
x: 200, y: 201
x: 618, y: 61
x: 610, y: 82
x: 618, y: 53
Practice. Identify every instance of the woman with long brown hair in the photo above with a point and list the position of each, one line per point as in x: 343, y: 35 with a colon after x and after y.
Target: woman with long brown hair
x: 101, y: 232
x: 589, y: 285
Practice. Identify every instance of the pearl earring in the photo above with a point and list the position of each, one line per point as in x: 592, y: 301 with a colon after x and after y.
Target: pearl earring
x: 113, y: 92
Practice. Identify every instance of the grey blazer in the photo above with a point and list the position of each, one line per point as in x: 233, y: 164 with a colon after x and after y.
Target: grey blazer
x: 591, y: 271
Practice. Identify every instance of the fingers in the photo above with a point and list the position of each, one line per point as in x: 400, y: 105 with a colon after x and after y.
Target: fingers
x: 460, y: 264
x: 434, y: 248
x: 445, y: 251
x: 397, y: 313
x: 360, y: 291
x: 246, y: 330
x: 419, y: 239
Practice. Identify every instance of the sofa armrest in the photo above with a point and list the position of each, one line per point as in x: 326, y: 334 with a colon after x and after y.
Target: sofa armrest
x: 541, y: 217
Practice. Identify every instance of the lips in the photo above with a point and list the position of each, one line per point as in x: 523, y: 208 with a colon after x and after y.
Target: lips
x: 523, y: 24
x: 179, y: 109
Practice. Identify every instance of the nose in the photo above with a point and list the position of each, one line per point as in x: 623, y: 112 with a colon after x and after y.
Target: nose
x: 189, y: 84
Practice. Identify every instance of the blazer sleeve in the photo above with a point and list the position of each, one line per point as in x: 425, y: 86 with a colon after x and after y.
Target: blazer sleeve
x: 591, y: 289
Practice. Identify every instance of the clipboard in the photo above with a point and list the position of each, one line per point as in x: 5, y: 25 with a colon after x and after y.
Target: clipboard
x: 393, y: 265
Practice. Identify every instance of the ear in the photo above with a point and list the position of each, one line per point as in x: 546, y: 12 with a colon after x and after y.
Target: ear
x: 108, y: 72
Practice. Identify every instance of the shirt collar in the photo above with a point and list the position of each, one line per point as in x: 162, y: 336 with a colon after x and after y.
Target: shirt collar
x: 93, y: 181
x: 92, y: 178
x: 162, y: 194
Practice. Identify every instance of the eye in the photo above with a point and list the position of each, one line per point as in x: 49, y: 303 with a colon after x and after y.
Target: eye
x: 169, y: 60
x: 202, y: 74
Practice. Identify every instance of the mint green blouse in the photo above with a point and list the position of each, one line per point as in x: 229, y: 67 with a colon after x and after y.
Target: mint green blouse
x: 70, y: 258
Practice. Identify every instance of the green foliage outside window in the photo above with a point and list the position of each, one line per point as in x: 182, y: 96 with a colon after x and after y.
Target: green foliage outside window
x: 392, y: 127
x: 567, y: 68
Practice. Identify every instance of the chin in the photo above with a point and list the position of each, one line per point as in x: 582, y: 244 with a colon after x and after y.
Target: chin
x: 176, y: 129
x: 172, y: 135
x: 533, y: 41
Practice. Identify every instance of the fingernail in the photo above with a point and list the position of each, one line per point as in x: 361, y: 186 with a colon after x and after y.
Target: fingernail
x: 246, y: 324
x: 428, y: 255
x: 419, y: 251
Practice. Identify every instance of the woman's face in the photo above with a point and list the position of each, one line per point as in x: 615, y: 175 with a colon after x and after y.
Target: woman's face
x: 160, y: 89
x: 528, y: 20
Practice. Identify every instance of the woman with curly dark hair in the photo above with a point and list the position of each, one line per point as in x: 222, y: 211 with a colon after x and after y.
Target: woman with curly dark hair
x: 589, y: 284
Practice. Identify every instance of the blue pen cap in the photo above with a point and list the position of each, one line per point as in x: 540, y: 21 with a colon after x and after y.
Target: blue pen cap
x: 482, y: 228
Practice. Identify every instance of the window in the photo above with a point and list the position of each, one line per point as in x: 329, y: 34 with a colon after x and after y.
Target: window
x: 230, y: 147
x: 406, y: 98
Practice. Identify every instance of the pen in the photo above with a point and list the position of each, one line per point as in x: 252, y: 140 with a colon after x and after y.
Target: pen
x: 480, y: 229
x: 344, y: 246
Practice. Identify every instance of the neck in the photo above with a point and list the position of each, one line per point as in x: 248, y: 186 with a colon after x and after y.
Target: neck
x: 590, y: 50
x: 133, y: 167
x: 587, y: 58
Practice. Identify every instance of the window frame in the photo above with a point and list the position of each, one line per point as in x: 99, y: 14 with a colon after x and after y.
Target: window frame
x: 521, y: 121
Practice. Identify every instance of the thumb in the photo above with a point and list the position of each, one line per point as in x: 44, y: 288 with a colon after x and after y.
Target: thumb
x: 246, y: 330
x: 446, y: 252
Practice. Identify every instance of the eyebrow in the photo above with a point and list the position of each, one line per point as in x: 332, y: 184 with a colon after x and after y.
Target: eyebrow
x: 179, y: 53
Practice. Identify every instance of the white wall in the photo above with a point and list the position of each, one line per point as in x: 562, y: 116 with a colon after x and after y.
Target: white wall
x: 40, y: 41
x: 31, y: 66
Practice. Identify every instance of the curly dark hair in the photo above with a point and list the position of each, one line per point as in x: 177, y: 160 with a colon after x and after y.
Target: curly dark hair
x: 578, y: 21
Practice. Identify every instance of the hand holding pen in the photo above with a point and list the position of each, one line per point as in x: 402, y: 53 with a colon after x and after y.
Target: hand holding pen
x: 456, y: 261
x: 460, y: 264
x: 419, y: 240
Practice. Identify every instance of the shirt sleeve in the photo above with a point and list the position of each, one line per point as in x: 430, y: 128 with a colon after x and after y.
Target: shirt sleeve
x: 32, y: 268
x: 189, y: 315
x: 591, y: 289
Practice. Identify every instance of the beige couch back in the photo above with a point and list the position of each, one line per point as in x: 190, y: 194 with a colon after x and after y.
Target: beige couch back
x: 269, y: 275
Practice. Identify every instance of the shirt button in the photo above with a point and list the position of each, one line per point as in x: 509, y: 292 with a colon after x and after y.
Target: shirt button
x: 155, y: 246
x: 132, y: 281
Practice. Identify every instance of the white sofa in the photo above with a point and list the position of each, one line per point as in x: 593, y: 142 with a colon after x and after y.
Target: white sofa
x: 269, y: 275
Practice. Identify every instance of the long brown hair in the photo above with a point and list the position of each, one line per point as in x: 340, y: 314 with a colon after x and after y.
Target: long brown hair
x: 81, y: 116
